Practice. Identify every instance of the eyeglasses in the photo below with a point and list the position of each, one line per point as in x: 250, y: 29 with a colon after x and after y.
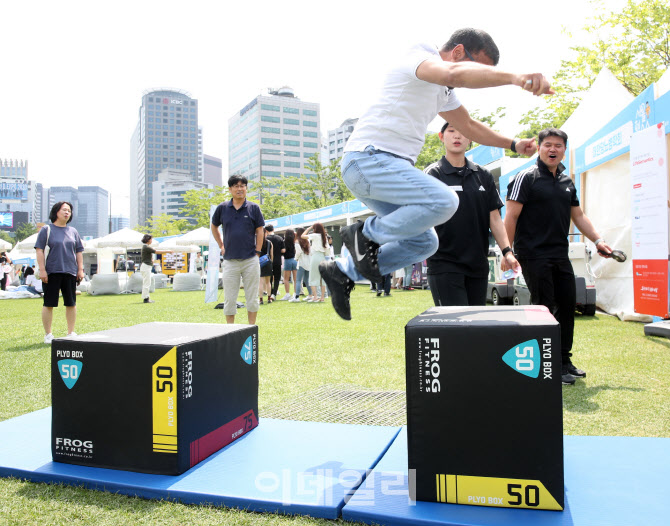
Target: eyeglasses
x: 239, y: 185
x: 467, y: 53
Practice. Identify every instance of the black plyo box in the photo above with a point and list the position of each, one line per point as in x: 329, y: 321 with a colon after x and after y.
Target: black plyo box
x: 484, y: 407
x: 153, y: 398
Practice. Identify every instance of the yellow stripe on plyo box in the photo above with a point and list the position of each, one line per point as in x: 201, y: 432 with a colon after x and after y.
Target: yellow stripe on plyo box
x: 451, y: 489
x: 164, y: 402
x: 506, y: 493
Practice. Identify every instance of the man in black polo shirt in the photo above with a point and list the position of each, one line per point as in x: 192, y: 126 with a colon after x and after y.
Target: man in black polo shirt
x: 458, y: 271
x: 243, y: 224
x: 277, y: 252
x: 541, y: 201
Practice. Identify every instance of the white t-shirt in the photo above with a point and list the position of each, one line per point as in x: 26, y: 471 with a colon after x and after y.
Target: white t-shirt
x: 398, y: 121
x: 317, y: 243
x: 32, y: 281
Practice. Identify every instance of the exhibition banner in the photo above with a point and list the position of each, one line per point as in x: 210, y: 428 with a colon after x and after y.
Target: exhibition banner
x: 213, y: 265
x: 649, y: 195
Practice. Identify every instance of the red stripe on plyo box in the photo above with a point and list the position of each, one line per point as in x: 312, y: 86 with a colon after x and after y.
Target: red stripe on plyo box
x: 210, y: 443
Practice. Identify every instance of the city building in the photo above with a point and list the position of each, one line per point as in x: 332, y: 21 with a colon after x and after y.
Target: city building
x: 168, y: 192
x: 93, y: 214
x: 337, y: 138
x: 273, y: 135
x: 17, y: 205
x: 165, y: 138
x: 201, y: 159
x: 119, y: 222
x: 213, y: 170
x: 90, y: 208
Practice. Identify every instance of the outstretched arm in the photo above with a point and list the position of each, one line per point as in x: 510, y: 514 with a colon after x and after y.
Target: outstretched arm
x: 474, y: 75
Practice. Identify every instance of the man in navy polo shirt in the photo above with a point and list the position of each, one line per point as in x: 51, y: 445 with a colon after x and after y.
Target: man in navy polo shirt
x: 541, y: 201
x: 243, y: 224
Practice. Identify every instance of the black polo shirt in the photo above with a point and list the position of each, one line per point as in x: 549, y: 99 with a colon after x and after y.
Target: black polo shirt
x: 239, y: 228
x: 543, y: 225
x: 464, y: 239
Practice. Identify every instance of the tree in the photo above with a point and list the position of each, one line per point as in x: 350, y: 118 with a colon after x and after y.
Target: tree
x: 288, y: 195
x: 198, y: 203
x: 165, y: 225
x: 633, y: 44
x: 431, y: 151
x: 5, y: 235
x: 24, y: 230
x: 326, y: 187
x: 282, y: 196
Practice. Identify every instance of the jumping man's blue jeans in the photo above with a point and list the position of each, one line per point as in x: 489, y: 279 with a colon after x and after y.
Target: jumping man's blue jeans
x: 407, y: 202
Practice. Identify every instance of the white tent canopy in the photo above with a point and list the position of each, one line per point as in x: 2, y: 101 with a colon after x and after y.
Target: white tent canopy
x: 199, y: 236
x: 4, y: 245
x: 604, y: 100
x: 125, y: 237
x: 171, y: 244
x: 28, y: 243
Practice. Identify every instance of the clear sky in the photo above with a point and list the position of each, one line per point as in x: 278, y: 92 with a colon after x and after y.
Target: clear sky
x: 72, y: 72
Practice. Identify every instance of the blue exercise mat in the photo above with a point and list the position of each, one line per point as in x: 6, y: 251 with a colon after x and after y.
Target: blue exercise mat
x: 609, y: 481
x: 281, y: 466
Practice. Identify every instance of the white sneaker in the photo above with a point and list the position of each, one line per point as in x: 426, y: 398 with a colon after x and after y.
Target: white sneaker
x: 294, y: 300
x: 272, y: 297
x: 308, y: 298
x: 48, y: 338
x: 72, y: 333
x: 286, y: 297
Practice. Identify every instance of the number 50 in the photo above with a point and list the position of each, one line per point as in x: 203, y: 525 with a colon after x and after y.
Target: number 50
x: 69, y: 371
x: 531, y: 494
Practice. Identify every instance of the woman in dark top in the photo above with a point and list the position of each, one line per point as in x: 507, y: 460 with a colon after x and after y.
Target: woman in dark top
x: 62, y: 268
x: 290, y: 264
x: 266, y: 270
x: 147, y: 265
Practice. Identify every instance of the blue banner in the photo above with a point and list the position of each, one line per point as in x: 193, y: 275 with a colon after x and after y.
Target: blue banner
x: 483, y: 155
x: 614, y: 138
x: 18, y: 191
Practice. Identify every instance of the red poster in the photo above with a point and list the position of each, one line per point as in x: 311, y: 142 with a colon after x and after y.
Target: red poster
x: 650, y: 285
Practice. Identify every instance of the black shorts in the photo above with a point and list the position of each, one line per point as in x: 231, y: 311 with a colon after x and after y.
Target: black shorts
x: 66, y: 283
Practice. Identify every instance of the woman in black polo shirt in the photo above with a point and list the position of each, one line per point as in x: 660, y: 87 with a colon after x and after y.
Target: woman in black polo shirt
x: 458, y: 271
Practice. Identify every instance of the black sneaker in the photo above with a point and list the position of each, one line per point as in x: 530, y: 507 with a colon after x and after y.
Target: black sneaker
x: 363, y: 251
x: 566, y: 376
x: 340, y: 287
x: 379, y: 293
x: 147, y: 300
x: 567, y: 379
x: 577, y: 373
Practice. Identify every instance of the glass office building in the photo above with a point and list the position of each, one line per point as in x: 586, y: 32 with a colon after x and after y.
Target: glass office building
x: 165, y: 137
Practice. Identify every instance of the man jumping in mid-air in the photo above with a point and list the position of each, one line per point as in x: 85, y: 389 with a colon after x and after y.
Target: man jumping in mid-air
x: 378, y: 164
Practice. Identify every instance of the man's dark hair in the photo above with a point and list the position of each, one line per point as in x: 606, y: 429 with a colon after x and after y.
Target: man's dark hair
x: 146, y: 238
x: 552, y: 132
x: 55, y: 208
x: 444, y: 127
x: 234, y: 179
x: 475, y: 41
x: 269, y: 228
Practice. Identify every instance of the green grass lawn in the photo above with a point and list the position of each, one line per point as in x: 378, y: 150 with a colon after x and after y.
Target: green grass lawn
x: 301, y: 347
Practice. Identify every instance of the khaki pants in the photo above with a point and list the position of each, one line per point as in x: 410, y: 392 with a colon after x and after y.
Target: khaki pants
x: 145, y: 270
x: 250, y: 271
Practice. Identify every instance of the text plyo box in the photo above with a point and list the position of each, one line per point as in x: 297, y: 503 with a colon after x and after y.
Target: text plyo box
x: 484, y: 407
x: 154, y: 398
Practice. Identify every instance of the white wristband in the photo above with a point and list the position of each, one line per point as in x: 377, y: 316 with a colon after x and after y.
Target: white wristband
x: 599, y: 240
